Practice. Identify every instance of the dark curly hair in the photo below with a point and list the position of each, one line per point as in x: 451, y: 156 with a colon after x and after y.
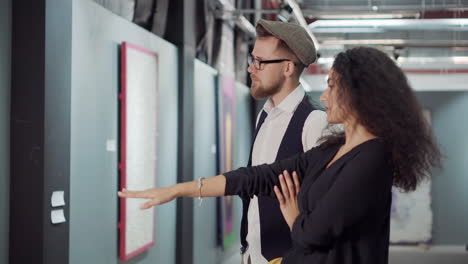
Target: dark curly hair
x: 378, y: 93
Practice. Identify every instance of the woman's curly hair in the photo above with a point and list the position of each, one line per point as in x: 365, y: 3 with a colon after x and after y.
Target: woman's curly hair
x: 378, y: 93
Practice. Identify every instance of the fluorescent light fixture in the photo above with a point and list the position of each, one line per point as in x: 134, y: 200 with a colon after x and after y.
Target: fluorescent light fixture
x: 364, y: 42
x: 434, y: 60
x: 355, y: 16
x: 460, y: 60
x: 346, y: 30
x: 325, y: 61
x: 399, y: 42
x: 427, y: 23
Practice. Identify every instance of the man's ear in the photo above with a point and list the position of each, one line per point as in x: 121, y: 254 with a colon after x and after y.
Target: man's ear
x: 290, y: 69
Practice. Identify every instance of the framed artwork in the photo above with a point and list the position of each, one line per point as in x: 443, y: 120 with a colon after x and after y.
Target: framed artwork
x: 138, y: 105
x: 411, y: 215
x: 226, y: 127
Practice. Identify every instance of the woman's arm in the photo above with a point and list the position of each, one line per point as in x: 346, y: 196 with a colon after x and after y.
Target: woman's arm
x: 212, y: 187
x: 363, y: 186
x: 257, y: 180
x: 260, y: 180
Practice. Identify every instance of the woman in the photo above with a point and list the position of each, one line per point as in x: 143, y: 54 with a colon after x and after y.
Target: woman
x: 341, y: 211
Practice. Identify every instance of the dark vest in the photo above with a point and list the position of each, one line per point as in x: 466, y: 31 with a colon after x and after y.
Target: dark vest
x: 274, y: 231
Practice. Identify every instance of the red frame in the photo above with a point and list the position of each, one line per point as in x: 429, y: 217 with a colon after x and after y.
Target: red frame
x: 123, y: 148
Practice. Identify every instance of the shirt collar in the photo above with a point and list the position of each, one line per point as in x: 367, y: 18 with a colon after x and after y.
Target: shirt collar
x: 289, y: 104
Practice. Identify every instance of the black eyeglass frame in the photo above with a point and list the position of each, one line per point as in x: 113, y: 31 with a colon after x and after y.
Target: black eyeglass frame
x: 252, y: 60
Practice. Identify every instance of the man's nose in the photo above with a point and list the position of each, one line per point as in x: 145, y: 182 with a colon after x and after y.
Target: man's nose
x: 249, y: 68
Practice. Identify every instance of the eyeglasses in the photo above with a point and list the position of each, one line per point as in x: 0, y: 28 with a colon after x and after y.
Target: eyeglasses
x: 258, y: 63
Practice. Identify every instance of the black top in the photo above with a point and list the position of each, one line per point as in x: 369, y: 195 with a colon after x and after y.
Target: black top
x: 344, y: 209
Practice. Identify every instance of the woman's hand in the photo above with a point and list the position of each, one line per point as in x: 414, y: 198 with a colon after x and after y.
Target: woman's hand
x: 157, y: 195
x: 287, y: 196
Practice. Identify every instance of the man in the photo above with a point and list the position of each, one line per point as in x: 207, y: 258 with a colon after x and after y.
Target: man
x: 287, y: 125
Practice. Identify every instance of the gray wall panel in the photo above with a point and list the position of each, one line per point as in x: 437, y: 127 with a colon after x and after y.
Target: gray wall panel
x: 204, y: 224
x: 204, y: 246
x: 450, y: 197
x: 97, y: 34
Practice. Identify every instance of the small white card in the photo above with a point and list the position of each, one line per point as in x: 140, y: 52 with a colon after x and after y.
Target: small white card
x: 57, y: 216
x: 213, y: 148
x: 57, y: 199
x: 111, y: 146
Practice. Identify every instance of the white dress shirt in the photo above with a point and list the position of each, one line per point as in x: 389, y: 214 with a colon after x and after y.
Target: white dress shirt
x: 265, y: 150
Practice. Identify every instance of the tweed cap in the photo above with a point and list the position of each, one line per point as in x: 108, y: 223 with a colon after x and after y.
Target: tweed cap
x: 294, y: 36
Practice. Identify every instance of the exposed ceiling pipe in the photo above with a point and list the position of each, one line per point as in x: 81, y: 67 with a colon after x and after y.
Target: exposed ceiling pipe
x: 380, y: 8
x: 229, y: 10
x: 241, y: 21
x: 400, y: 14
x: 319, y: 15
x: 301, y: 20
x: 246, y: 26
x: 375, y: 10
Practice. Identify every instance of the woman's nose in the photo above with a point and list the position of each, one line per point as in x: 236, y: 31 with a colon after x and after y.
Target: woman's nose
x: 322, y: 97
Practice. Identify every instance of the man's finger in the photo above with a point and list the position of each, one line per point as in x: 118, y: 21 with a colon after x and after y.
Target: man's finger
x: 278, y: 195
x: 284, y: 187
x: 290, y: 185
x: 297, y: 184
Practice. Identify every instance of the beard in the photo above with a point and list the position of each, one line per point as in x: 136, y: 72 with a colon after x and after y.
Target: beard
x: 260, y: 91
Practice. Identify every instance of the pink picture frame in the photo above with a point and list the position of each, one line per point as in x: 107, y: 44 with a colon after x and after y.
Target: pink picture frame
x: 138, y: 101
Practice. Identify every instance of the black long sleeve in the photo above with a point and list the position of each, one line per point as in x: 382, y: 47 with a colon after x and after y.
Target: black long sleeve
x: 259, y: 180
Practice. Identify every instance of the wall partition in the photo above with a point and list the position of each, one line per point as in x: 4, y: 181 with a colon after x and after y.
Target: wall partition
x: 97, y: 36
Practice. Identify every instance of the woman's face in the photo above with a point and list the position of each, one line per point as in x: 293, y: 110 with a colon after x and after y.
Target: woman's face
x: 330, y: 99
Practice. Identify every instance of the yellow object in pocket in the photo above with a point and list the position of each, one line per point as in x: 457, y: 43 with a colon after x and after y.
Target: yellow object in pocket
x: 276, y: 261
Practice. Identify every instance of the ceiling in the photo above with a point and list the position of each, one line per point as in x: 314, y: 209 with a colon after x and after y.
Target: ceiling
x: 413, y: 31
x: 419, y: 33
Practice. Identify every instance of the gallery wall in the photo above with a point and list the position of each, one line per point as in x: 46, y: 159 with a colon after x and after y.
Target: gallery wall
x: 205, y: 146
x: 205, y: 247
x: 97, y: 35
x: 449, y: 196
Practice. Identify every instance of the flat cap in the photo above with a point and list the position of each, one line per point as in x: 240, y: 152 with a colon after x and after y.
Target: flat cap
x: 294, y: 36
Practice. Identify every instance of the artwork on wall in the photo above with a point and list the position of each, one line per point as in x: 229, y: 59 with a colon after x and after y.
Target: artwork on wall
x: 138, y: 146
x: 411, y: 214
x: 226, y: 130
